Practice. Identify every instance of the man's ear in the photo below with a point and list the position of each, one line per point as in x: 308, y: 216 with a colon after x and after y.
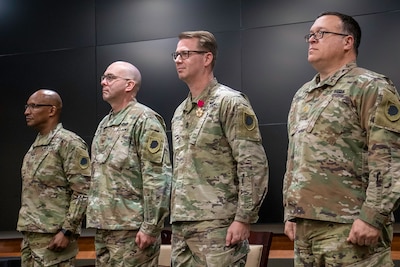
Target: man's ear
x: 130, y: 85
x: 208, y: 58
x: 348, y: 42
x: 53, y: 111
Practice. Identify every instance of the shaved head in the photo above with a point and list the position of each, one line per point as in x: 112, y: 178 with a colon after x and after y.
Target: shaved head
x: 43, y: 110
x: 130, y: 71
x: 50, y: 96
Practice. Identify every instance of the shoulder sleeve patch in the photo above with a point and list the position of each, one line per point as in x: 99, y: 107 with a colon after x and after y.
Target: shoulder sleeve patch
x: 154, y: 144
x: 388, y: 112
x: 249, y: 121
x: 248, y: 125
x: 392, y: 112
x: 153, y: 149
x: 84, y: 162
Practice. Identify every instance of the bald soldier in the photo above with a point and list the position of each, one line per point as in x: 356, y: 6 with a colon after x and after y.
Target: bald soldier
x: 55, y: 181
x: 130, y: 189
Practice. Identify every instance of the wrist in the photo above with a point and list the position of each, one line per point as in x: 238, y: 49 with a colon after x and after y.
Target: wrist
x: 66, y: 233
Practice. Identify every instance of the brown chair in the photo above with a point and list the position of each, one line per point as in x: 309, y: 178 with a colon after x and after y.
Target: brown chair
x: 165, y: 250
x: 260, y: 244
x: 166, y: 237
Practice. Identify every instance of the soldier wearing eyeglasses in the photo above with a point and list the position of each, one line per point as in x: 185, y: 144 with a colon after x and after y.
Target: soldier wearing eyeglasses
x: 131, y: 175
x: 55, y: 180
x: 220, y: 166
x: 341, y: 184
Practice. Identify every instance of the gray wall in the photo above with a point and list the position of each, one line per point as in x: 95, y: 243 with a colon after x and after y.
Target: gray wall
x: 66, y: 45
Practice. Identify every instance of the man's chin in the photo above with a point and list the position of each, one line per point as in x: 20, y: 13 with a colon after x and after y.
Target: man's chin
x: 182, y: 77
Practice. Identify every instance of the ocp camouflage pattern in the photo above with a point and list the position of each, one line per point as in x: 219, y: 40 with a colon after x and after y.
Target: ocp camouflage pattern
x: 344, y: 149
x: 131, y: 172
x: 55, y: 180
x: 220, y: 166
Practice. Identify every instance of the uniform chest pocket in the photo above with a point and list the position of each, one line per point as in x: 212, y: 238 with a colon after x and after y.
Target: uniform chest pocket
x: 331, y: 116
x: 308, y: 114
x: 109, y: 141
x: 207, y: 133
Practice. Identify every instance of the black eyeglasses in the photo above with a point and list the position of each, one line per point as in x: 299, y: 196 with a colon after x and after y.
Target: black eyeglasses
x: 111, y: 77
x: 186, y: 53
x: 35, y: 106
x: 320, y: 34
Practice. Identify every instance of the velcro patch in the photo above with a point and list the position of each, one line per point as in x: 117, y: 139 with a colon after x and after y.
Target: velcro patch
x: 249, y: 121
x: 388, y: 112
x: 392, y: 111
x: 248, y: 125
x: 84, y: 162
x: 154, y: 145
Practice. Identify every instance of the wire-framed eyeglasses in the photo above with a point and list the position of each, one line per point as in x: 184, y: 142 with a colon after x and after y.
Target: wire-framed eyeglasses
x: 35, y: 106
x: 186, y: 53
x: 320, y: 34
x: 111, y: 77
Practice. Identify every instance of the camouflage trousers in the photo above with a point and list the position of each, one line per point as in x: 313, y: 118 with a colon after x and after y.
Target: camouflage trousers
x: 199, y: 244
x: 34, y: 252
x: 118, y: 248
x: 319, y: 243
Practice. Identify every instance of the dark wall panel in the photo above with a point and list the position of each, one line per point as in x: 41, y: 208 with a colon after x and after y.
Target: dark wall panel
x: 228, y: 69
x: 380, y: 44
x: 127, y: 21
x: 274, y: 67
x: 27, y: 26
x: 261, y: 13
x: 275, y: 144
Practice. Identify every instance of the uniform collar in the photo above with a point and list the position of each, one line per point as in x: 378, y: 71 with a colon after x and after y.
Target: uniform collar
x: 333, y: 79
x: 204, y: 96
x: 118, y: 117
x: 42, y: 140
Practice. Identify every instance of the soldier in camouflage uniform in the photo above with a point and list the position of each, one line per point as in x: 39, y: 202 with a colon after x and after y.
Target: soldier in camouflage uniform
x: 220, y: 166
x: 131, y: 170
x: 55, y: 181
x: 341, y: 185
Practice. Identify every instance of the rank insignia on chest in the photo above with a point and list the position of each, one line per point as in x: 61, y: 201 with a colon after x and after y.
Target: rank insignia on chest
x: 306, y: 108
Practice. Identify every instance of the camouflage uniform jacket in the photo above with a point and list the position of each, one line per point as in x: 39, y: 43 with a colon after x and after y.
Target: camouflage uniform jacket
x: 220, y: 166
x: 344, y: 149
x: 131, y: 172
x: 55, y: 181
